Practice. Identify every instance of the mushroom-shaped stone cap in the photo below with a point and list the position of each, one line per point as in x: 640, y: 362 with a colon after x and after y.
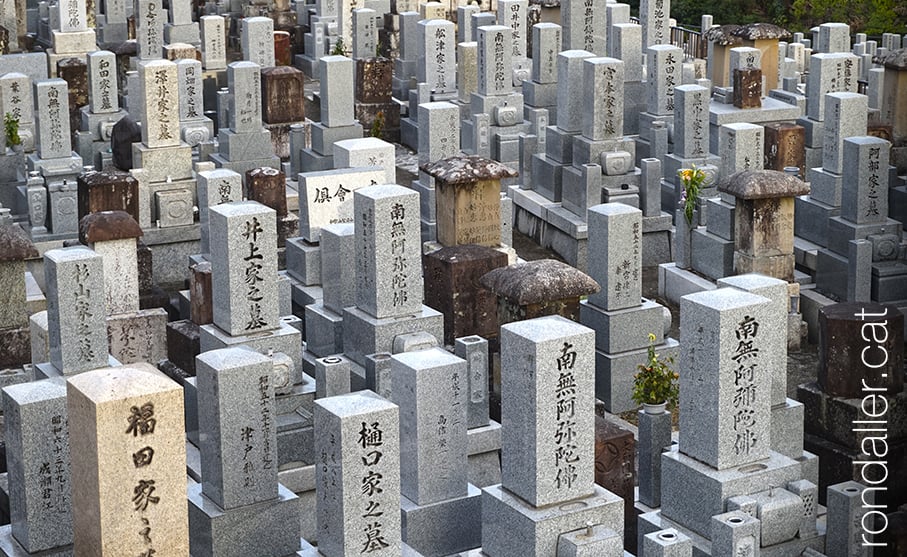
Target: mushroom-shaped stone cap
x: 105, y: 177
x: 539, y: 281
x: 761, y: 31
x: 466, y: 252
x: 15, y: 245
x: 128, y: 48
x: 467, y: 170
x: 763, y: 184
x: 723, y: 35
x: 893, y: 59
x: 108, y: 225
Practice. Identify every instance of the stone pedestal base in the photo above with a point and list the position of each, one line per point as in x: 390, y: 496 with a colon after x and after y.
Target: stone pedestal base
x: 286, y: 339
x: 513, y: 528
x: 702, y: 547
x: 787, y: 428
x: 185, y: 33
x: 697, y: 491
x: 551, y: 226
x: 484, y: 450
x: 243, y: 166
x: 267, y: 528
x: 625, y: 329
x: 443, y: 528
x: 310, y: 161
x: 656, y: 240
x: 9, y: 547
x: 711, y: 255
x: 324, y: 331
x: 364, y: 334
x: 811, y: 219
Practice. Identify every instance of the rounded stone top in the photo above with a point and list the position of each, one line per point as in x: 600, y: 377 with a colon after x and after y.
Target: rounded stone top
x: 130, y: 48
x: 761, y: 31
x: 468, y: 170
x: 869, y: 312
x: 107, y: 226
x: 893, y: 59
x: 539, y: 281
x: 723, y: 35
x: 763, y: 184
x: 274, y: 71
x: 99, y: 178
x: 15, y: 245
x: 464, y: 252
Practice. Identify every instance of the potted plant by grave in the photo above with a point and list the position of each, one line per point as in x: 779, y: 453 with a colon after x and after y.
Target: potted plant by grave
x: 655, y: 384
x: 692, y: 180
x: 11, y: 128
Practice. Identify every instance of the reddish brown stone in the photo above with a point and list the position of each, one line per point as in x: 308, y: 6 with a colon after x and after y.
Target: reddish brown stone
x: 389, y: 113
x: 785, y: 147
x: 201, y: 303
x: 283, y: 50
x: 847, y: 359
x: 374, y: 80
x: 615, y: 467
x: 183, y: 344
x: 452, y: 287
x: 268, y: 186
x: 287, y: 227
x: 146, y: 282
x: 282, y: 98
x: 16, y: 345
x: 108, y: 225
x: 748, y: 88
x: 882, y: 131
x: 108, y: 190
x: 15, y: 245
x: 75, y: 72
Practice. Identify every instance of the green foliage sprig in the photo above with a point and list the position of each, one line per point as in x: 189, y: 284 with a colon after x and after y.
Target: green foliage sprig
x: 656, y: 381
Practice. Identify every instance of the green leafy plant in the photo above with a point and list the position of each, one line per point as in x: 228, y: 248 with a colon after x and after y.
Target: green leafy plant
x: 692, y: 180
x: 656, y: 381
x: 11, y: 127
x: 378, y: 125
x: 338, y: 48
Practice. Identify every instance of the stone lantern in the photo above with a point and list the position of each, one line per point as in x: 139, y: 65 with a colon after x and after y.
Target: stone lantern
x: 764, y: 221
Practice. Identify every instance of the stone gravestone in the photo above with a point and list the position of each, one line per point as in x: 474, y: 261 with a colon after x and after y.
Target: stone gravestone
x: 623, y: 321
x: 77, y: 331
x: 244, y: 285
x: 38, y: 469
x: 358, y: 440
x: 725, y: 432
x: 127, y: 438
x: 195, y: 127
x: 388, y: 273
x: 547, y: 449
x: 214, y: 53
x: 239, y: 508
x: 258, y: 41
x: 96, y: 120
x: 215, y: 187
x: 14, y: 318
x: 245, y: 143
x: 133, y: 334
x: 430, y: 388
x: 54, y: 159
x: 338, y: 121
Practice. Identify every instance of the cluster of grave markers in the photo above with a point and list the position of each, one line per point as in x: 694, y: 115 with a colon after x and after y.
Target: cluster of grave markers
x: 323, y: 386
